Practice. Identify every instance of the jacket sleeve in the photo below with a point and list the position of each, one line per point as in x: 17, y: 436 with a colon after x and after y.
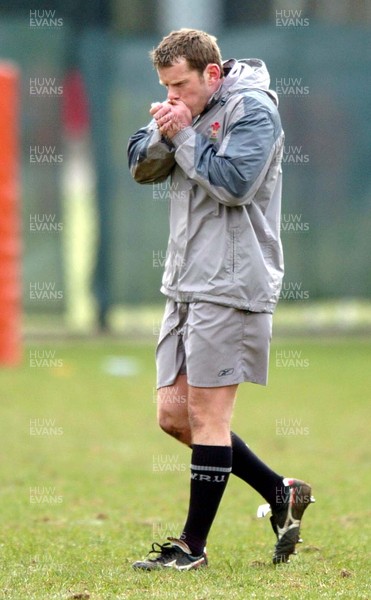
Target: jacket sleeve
x: 151, y: 158
x: 234, y: 171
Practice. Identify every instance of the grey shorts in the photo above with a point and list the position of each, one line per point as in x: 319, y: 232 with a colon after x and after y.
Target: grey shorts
x: 214, y: 345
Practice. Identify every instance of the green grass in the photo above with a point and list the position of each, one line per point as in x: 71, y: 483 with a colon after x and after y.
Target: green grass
x: 83, y: 501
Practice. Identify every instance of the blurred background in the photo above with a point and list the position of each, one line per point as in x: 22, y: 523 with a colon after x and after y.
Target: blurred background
x: 94, y: 242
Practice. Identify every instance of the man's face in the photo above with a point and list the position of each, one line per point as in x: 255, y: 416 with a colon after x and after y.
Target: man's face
x: 187, y: 85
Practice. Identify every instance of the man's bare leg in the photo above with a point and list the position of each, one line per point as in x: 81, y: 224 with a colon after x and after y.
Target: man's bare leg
x: 172, y: 410
x: 209, y: 412
x: 174, y: 419
x: 178, y: 406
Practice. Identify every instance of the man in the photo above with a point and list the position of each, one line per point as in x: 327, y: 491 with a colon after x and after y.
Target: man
x: 218, y: 137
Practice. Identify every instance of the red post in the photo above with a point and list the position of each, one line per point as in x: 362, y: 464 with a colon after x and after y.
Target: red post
x: 10, y: 235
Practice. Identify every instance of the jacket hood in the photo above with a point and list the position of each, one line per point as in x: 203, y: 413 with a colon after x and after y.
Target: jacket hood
x: 247, y: 73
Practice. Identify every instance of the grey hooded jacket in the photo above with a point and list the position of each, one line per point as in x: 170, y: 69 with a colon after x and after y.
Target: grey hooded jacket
x: 225, y: 194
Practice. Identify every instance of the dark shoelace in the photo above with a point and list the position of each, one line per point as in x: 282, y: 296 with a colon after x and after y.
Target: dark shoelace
x: 163, y: 550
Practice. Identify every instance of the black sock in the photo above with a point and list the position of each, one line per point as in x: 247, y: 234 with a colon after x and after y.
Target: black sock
x: 247, y: 466
x: 210, y: 469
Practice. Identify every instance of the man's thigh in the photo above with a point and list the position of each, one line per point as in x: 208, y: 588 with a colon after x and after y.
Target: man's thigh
x: 173, y: 399
x: 172, y: 409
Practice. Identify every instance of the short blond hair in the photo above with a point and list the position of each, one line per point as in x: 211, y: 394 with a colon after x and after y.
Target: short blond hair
x: 197, y: 47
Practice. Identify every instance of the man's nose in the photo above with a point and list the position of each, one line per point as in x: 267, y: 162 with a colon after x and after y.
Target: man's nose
x: 172, y: 94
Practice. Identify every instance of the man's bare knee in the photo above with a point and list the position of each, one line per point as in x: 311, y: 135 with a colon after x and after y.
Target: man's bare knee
x: 172, y: 412
x: 168, y: 422
x: 178, y: 429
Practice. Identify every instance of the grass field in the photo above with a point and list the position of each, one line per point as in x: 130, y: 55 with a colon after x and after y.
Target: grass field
x: 88, y: 481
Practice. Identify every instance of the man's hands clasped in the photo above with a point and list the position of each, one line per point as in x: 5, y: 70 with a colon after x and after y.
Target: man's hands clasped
x: 171, y: 116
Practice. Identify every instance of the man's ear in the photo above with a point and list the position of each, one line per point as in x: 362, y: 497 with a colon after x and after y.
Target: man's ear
x: 212, y: 73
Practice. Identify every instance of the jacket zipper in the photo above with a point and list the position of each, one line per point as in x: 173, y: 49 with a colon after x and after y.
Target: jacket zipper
x: 233, y: 249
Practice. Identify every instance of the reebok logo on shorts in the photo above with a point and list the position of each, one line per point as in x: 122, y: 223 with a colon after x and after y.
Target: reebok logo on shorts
x: 225, y: 372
